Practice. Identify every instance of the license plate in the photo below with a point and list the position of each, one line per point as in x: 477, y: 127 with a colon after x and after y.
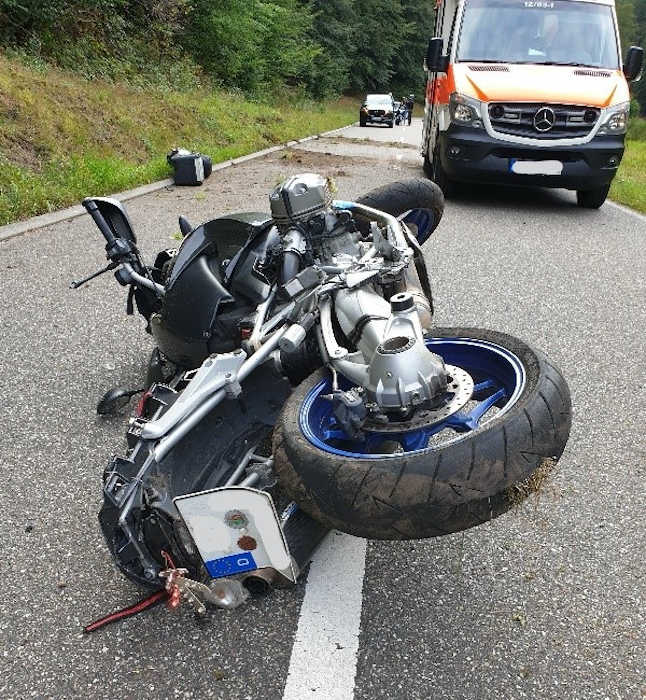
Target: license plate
x: 535, y: 167
x: 236, y: 530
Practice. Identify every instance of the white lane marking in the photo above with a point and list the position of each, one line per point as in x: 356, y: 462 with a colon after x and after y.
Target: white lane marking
x: 323, y: 664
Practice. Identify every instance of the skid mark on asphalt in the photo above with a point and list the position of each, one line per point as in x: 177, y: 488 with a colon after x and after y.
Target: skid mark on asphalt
x: 324, y: 656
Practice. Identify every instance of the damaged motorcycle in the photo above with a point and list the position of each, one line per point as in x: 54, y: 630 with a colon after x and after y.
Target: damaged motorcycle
x: 298, y: 385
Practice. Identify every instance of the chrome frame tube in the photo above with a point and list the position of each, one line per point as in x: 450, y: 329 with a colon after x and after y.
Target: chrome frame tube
x: 233, y: 479
x: 397, y: 237
x: 333, y: 350
x: 215, y: 373
x: 263, y: 309
x: 276, y: 320
x: 339, y: 357
x: 142, y: 281
x: 250, y: 481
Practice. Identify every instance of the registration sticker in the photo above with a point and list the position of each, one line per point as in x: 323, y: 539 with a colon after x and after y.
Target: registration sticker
x: 535, y: 167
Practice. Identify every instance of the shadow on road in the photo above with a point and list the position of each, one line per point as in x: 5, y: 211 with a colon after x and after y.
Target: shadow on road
x: 514, y: 197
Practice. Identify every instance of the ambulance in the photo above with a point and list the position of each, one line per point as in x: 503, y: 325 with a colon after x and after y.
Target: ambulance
x: 527, y: 92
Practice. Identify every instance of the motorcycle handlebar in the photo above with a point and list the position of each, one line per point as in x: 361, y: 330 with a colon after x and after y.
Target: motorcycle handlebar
x: 102, y: 224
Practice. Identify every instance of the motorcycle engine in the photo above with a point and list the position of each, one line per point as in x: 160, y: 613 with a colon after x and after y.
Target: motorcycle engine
x: 301, y: 207
x: 299, y: 198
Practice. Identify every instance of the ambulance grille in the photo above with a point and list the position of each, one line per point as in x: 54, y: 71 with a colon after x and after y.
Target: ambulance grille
x: 517, y: 119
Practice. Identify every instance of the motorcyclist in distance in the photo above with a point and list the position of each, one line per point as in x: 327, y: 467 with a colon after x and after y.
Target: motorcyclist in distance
x: 410, y: 103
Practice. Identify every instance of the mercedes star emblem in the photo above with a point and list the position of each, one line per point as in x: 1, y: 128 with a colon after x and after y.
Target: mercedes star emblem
x: 544, y: 119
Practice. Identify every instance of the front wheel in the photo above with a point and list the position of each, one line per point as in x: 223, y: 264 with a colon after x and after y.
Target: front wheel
x: 436, y: 479
x: 592, y: 199
x: 417, y: 202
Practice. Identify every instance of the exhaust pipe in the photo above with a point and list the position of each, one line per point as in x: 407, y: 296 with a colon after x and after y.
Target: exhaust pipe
x: 260, y: 582
x: 303, y: 535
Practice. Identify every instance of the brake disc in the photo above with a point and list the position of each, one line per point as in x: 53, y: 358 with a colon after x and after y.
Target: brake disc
x: 459, y: 393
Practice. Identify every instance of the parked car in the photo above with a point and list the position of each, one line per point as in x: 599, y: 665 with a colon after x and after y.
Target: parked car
x: 377, y: 109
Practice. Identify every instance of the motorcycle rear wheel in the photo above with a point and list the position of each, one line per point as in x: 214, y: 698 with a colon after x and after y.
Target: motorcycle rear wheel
x: 443, y: 479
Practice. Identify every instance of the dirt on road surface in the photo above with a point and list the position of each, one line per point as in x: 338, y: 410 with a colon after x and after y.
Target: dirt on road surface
x: 548, y: 601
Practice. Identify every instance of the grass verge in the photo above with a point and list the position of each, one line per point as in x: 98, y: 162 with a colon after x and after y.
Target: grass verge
x: 63, y: 138
x: 629, y: 186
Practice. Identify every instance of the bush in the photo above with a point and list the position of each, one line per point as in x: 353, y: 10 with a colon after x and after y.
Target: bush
x: 637, y: 129
x: 634, y: 108
x: 254, y: 46
x: 130, y: 41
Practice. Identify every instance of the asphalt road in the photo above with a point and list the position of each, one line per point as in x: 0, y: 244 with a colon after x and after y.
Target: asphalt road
x: 548, y: 601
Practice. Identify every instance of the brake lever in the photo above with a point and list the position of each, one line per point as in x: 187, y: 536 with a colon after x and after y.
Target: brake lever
x: 107, y: 268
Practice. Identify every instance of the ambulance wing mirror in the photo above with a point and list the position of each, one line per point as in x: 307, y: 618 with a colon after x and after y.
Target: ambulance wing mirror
x: 434, y: 61
x: 634, y: 62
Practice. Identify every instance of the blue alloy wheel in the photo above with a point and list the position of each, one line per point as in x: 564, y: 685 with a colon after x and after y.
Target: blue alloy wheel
x: 422, y: 223
x: 499, y: 379
x: 423, y: 479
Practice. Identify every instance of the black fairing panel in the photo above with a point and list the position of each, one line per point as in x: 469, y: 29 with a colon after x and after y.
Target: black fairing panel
x: 231, y: 232
x: 193, y: 245
x: 196, y: 290
x: 223, y: 237
x: 191, y: 304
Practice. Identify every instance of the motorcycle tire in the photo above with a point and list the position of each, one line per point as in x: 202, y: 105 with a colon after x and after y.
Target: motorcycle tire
x: 439, y: 488
x: 418, y: 201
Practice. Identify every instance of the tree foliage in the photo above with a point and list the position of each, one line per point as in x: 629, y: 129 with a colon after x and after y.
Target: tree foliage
x: 252, y: 45
x: 322, y: 46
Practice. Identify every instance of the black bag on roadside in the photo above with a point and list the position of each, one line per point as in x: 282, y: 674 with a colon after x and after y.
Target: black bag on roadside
x: 190, y: 168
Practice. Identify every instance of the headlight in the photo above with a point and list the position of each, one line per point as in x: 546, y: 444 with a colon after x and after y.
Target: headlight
x: 614, y: 120
x: 465, y: 111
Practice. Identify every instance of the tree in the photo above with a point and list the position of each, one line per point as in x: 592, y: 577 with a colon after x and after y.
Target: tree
x: 378, y: 39
x: 631, y: 15
x: 253, y: 45
x: 417, y: 26
x: 334, y: 31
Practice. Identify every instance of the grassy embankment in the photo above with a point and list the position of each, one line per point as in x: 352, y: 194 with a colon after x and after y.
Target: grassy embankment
x: 629, y: 187
x: 63, y: 138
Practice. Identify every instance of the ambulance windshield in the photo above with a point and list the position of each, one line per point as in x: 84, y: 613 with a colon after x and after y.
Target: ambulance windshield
x: 553, y: 32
